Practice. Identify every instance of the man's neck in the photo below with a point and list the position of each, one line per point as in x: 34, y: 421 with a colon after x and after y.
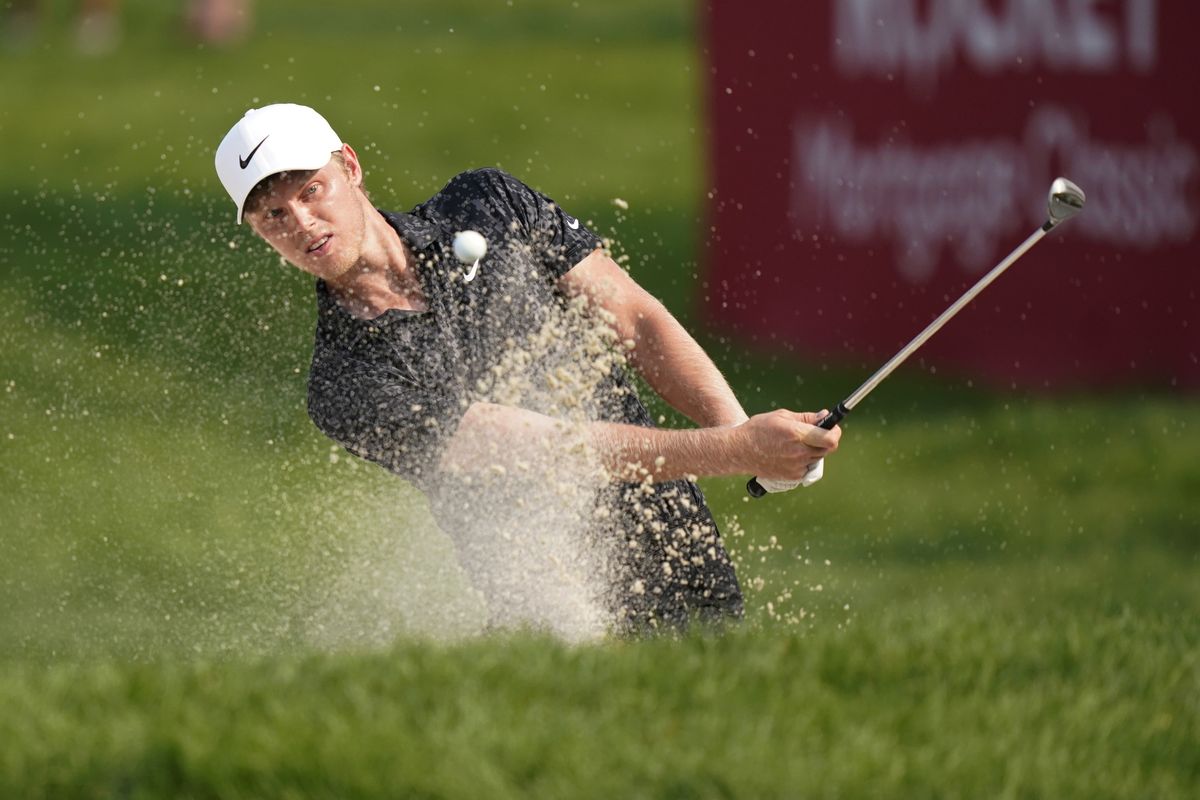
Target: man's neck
x: 384, y: 276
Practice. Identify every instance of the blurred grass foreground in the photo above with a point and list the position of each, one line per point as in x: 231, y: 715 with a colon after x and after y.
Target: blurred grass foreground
x: 990, y: 594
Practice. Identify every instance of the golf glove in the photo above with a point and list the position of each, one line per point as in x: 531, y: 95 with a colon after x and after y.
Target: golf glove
x: 814, y: 474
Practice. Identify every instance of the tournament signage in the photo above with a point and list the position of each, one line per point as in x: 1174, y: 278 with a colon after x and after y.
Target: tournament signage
x: 873, y: 158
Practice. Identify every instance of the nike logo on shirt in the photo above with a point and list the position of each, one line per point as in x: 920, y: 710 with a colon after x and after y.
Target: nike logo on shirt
x: 471, y: 275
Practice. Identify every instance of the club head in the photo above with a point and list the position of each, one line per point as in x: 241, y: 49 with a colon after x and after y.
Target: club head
x: 1065, y: 201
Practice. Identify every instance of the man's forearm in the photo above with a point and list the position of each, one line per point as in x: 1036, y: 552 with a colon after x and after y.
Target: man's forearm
x: 779, y: 444
x: 664, y: 353
x: 492, y: 435
x: 631, y: 452
x: 679, y: 370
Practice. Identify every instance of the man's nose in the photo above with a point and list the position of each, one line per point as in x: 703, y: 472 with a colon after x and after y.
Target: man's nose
x: 302, y: 215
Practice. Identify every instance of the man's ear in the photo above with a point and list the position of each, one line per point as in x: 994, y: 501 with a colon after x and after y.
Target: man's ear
x: 353, y: 168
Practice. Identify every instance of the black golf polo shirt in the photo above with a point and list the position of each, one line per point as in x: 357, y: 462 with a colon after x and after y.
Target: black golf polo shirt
x: 393, y: 389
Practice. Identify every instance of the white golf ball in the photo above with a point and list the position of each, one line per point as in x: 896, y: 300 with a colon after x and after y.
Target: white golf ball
x: 469, y: 246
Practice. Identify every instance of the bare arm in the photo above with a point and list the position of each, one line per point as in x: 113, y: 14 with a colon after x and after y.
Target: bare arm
x: 777, y: 445
x: 781, y: 444
x: 664, y: 353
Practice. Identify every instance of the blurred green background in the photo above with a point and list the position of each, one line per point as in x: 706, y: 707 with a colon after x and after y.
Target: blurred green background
x: 165, y: 498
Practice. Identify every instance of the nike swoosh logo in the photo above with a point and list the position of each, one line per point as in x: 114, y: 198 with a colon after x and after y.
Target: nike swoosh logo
x: 471, y: 275
x: 244, y: 162
x: 572, y: 223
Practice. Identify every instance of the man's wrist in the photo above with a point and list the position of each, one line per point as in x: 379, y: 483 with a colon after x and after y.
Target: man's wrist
x: 729, y: 419
x: 728, y: 448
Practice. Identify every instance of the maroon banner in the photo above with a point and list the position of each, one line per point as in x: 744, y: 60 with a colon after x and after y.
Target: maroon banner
x: 873, y: 158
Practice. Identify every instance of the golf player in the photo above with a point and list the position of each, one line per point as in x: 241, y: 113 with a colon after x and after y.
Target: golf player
x: 452, y: 375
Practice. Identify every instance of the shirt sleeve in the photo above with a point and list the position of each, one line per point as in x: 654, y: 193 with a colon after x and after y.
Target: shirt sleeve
x: 559, y: 240
x: 390, y: 420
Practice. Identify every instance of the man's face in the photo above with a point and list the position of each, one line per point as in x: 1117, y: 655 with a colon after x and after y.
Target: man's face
x: 313, y: 219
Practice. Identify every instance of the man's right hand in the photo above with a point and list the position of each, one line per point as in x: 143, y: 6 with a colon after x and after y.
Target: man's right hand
x: 782, y: 445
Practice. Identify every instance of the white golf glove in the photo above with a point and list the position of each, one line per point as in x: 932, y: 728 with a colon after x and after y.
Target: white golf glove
x: 815, y: 472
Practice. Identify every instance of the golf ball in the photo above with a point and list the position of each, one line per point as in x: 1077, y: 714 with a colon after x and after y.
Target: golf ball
x: 469, y: 246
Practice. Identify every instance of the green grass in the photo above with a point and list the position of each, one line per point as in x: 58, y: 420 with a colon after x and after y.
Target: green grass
x: 990, y: 594
x: 949, y: 705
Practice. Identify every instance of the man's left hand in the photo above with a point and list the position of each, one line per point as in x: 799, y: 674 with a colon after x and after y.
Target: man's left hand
x: 815, y: 472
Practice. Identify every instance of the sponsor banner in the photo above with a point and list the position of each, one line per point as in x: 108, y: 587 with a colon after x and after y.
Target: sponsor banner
x: 871, y: 159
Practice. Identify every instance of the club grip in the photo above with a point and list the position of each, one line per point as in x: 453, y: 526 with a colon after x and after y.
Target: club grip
x: 830, y: 420
x: 754, y: 488
x: 827, y: 422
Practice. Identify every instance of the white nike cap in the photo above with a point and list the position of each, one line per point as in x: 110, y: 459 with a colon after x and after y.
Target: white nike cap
x: 270, y: 140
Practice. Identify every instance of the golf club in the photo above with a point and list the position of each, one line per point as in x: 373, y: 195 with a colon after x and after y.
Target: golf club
x: 1065, y: 201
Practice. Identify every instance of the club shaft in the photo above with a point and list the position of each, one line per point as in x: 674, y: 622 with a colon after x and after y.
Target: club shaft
x: 862, y: 391
x: 843, y: 408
